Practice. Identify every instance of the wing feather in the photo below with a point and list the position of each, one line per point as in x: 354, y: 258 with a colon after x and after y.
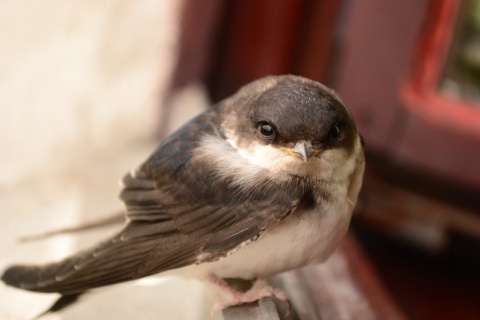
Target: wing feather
x: 179, y: 211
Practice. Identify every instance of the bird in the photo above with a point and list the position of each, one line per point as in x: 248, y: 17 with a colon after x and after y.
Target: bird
x: 263, y: 182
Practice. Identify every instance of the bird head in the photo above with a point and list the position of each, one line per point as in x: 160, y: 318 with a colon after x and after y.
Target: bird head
x: 291, y: 124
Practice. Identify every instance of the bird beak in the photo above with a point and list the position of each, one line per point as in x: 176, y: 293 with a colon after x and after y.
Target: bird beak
x: 302, y: 150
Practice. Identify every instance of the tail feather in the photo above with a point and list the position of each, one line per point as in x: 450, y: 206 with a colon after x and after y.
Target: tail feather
x: 28, y: 277
x: 17, y: 276
x: 111, y: 261
x: 116, y: 218
x: 114, y: 260
x: 62, y: 303
x: 31, y: 277
x: 47, y: 278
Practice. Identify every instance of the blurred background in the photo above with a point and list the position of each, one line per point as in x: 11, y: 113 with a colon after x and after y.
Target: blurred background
x: 88, y: 89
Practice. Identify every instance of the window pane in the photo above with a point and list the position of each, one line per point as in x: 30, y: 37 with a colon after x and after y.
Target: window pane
x: 461, y: 77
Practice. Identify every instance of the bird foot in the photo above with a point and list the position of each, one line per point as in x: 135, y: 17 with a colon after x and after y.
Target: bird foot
x: 233, y: 297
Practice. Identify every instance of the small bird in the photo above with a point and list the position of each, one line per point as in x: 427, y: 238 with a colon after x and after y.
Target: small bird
x: 263, y: 182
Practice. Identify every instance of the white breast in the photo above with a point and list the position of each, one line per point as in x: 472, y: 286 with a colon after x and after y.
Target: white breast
x: 297, y: 241
x: 301, y: 238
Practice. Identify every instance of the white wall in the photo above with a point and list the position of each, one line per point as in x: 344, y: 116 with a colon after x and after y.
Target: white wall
x: 80, y: 84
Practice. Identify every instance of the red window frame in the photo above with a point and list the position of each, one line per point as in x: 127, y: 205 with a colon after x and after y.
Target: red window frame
x: 392, y: 58
x: 448, y: 128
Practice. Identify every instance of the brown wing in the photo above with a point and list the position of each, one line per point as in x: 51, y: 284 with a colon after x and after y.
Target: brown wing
x: 177, y: 210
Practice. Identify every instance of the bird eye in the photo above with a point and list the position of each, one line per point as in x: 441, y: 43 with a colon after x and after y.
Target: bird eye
x: 266, y: 129
x: 335, y: 133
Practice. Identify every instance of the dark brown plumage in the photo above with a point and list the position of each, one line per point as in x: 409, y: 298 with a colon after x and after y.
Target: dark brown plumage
x: 206, y: 194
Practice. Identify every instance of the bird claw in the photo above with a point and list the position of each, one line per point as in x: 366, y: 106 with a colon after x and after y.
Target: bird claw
x: 233, y: 297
